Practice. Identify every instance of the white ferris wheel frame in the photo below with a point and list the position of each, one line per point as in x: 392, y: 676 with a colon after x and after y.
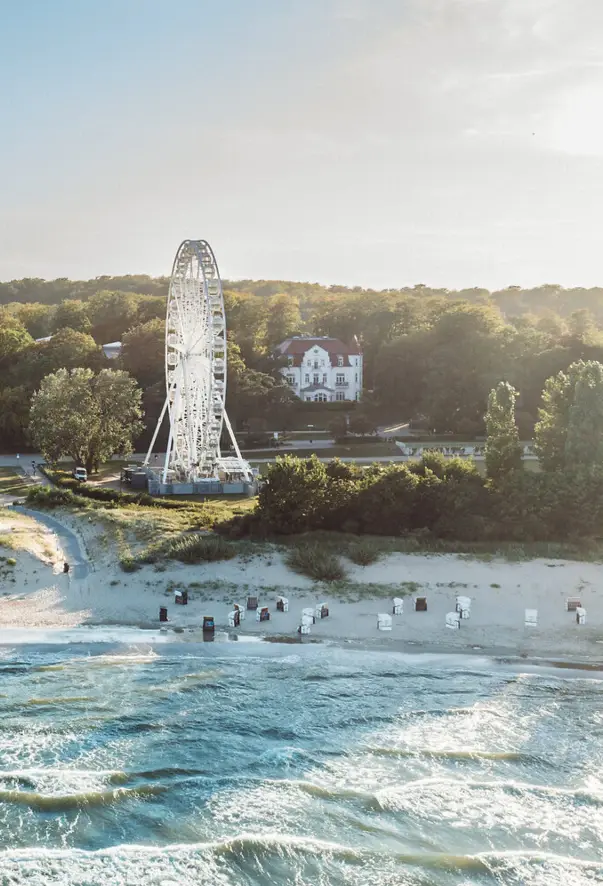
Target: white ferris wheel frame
x: 195, y: 371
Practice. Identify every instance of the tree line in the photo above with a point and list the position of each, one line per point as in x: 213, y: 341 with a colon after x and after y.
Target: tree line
x: 448, y: 498
x: 431, y: 355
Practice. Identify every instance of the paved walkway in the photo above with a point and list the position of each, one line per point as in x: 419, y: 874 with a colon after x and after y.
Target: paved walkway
x: 70, y: 543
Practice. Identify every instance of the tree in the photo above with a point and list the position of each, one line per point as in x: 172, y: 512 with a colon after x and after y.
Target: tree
x: 569, y: 433
x: 14, y: 418
x: 86, y: 416
x: 338, y: 426
x: 36, y: 318
x: 72, y: 313
x: 65, y: 350
x: 14, y: 337
x: 361, y: 423
x: 111, y: 314
x: 584, y: 442
x: 503, y: 452
x: 293, y: 495
x: 143, y: 350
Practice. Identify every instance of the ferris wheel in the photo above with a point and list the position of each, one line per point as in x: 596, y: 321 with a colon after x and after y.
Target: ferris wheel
x: 195, y: 371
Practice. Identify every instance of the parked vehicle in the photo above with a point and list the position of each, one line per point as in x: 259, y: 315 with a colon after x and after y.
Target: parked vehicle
x: 81, y: 474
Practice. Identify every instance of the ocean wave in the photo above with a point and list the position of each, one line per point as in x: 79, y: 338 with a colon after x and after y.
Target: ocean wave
x: 73, y: 699
x: 85, y: 799
x: 259, y: 847
x: 461, y: 754
x: 382, y: 799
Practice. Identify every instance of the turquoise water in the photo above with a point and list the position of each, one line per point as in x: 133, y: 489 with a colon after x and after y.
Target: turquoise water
x: 251, y: 763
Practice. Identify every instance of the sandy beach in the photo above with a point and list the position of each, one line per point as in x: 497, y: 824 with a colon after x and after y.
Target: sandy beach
x: 35, y: 593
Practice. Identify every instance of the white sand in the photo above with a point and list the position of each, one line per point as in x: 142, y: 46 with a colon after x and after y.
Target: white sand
x: 42, y: 597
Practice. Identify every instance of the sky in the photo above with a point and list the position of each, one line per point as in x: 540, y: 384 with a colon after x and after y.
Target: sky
x: 374, y: 143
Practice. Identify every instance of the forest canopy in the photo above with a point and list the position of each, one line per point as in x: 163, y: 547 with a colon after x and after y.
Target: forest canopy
x: 430, y: 355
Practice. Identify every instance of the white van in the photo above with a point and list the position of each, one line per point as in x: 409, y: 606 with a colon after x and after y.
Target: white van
x: 81, y: 474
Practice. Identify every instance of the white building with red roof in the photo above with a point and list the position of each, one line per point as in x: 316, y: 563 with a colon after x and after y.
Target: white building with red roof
x: 322, y: 369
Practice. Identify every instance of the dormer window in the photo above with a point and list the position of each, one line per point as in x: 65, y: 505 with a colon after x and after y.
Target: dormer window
x: 290, y: 361
x: 339, y: 360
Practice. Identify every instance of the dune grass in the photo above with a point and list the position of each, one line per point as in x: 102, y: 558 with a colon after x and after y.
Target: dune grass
x: 316, y: 562
x: 13, y: 482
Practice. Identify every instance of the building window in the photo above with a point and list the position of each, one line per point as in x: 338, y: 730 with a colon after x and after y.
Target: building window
x: 340, y: 378
x: 358, y: 395
x: 339, y: 360
x: 316, y: 379
x: 307, y: 378
x: 339, y: 395
x: 308, y: 399
x: 356, y: 377
x: 290, y: 361
x: 320, y: 398
x: 324, y: 378
x: 291, y: 379
x: 316, y: 364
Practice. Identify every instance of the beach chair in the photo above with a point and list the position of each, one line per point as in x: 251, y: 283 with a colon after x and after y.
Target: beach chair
x: 581, y: 615
x: 420, y: 604
x: 181, y: 598
x: 305, y: 627
x: 463, y: 606
x: 262, y: 614
x: 398, y: 606
x: 252, y: 602
x: 282, y: 604
x: 163, y: 616
x: 240, y: 610
x: 209, y: 625
x: 531, y: 618
x: 573, y: 603
x: 234, y: 619
x: 308, y: 613
x: 384, y: 621
x: 453, y: 620
x: 321, y: 610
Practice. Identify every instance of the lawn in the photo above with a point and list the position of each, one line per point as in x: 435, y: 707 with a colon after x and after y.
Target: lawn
x: 12, y: 482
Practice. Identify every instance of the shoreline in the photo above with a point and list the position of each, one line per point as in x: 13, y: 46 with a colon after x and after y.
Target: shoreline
x: 37, y: 599
x: 112, y: 634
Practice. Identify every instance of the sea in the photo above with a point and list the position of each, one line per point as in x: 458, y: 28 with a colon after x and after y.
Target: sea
x: 133, y: 762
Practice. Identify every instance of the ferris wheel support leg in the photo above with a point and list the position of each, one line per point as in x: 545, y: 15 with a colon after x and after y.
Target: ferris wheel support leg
x: 167, y: 454
x: 159, y: 423
x: 232, y: 436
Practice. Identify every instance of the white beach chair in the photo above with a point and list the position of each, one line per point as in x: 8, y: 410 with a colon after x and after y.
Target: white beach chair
x: 308, y: 613
x: 398, y: 605
x: 241, y: 611
x: 453, y: 620
x: 463, y: 606
x: 531, y: 618
x: 581, y: 615
x: 232, y: 618
x: 282, y: 604
x: 384, y: 622
x: 319, y: 611
x: 306, y: 624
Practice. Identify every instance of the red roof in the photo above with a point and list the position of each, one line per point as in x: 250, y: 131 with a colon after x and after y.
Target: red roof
x: 298, y: 347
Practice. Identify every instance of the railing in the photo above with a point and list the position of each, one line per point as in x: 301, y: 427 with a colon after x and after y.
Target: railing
x: 342, y: 384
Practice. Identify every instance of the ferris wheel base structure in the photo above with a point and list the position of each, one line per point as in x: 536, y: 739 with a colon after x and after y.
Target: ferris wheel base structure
x: 195, y: 374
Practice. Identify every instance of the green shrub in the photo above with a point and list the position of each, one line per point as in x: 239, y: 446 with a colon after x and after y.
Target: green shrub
x: 316, y: 562
x: 10, y: 561
x: 200, y: 548
x: 129, y: 564
x: 363, y: 554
